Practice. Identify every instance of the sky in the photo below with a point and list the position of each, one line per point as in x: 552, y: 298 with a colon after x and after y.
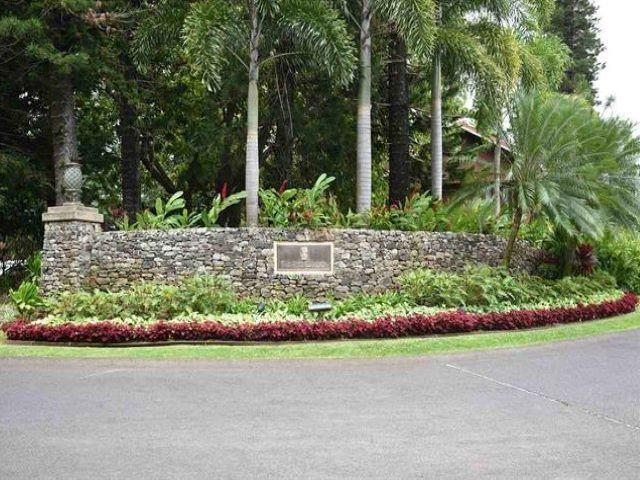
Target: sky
x: 619, y: 25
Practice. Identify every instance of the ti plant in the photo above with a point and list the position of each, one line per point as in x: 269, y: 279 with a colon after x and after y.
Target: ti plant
x: 34, y: 267
x: 165, y: 216
x: 173, y: 214
x: 277, y: 206
x: 26, y: 298
x: 209, y: 218
x: 309, y: 207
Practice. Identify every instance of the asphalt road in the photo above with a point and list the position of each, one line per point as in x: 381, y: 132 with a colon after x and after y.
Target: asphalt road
x: 565, y: 411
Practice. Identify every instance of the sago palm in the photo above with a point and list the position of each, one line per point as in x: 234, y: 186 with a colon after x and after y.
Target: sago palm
x: 570, y: 166
x: 542, y: 59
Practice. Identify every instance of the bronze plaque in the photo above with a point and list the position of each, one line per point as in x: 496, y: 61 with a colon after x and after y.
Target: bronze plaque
x: 309, y: 258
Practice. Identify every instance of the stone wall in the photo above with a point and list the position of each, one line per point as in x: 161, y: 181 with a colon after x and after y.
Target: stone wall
x: 69, y: 234
x: 364, y: 260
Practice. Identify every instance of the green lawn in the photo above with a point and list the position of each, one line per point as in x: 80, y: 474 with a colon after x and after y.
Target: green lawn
x: 345, y: 349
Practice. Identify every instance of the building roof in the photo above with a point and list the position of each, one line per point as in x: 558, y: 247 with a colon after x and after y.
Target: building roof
x: 467, y: 125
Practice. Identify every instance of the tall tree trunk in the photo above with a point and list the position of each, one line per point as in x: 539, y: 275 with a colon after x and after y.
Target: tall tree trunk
x: 497, y: 181
x: 568, y: 253
x: 63, y: 129
x: 130, y: 138
x: 284, y: 141
x: 147, y: 155
x: 129, y: 158
x: 398, y: 120
x: 436, y: 122
x: 436, y: 129
x: 252, y: 167
x: 363, y: 200
x: 515, y: 228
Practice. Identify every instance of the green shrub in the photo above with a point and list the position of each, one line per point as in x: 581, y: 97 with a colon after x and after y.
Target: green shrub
x: 299, y: 207
x: 173, y: 214
x: 295, y: 306
x: 8, y: 312
x: 433, y: 288
x: 209, y: 218
x: 496, y: 288
x: 475, y: 288
x: 165, y: 215
x: 416, y: 213
x: 619, y: 254
x: 26, y: 298
x: 34, y: 267
x: 475, y: 216
x: 200, y: 294
x: 364, y: 305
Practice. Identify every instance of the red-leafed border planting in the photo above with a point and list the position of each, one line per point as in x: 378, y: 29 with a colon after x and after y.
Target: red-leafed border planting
x: 387, y: 327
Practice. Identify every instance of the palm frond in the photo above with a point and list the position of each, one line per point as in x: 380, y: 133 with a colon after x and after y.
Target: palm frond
x: 159, y: 33
x: 321, y: 34
x: 207, y: 32
x: 414, y: 20
x: 579, y: 169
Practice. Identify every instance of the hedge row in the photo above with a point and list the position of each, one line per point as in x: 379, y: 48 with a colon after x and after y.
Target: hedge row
x: 388, y: 327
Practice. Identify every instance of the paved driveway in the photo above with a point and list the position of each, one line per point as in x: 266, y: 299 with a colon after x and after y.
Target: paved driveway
x: 566, y: 411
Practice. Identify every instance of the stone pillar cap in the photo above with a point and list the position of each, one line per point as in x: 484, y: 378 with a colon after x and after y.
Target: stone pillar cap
x: 71, y: 213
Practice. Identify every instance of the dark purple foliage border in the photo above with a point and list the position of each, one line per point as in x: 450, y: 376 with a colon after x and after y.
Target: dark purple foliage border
x: 386, y: 327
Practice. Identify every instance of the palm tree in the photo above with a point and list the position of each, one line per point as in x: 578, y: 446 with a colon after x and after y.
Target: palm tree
x: 542, y: 60
x: 412, y: 20
x: 572, y: 167
x: 215, y: 32
x: 475, y: 40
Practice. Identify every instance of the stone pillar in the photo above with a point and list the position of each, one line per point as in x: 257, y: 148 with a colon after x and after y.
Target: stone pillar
x: 69, y: 233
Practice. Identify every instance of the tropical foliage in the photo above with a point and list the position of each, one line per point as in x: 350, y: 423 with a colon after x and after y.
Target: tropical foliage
x: 618, y: 253
x: 215, y: 32
x: 173, y: 214
x: 26, y: 298
x: 492, y: 289
x: 201, y: 298
x: 571, y: 167
x: 352, y: 328
x: 203, y: 97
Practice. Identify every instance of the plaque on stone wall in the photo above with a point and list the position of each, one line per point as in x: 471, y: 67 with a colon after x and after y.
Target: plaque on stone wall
x: 309, y: 258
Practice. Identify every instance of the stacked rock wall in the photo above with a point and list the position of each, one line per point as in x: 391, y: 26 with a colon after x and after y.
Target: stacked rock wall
x: 364, y: 260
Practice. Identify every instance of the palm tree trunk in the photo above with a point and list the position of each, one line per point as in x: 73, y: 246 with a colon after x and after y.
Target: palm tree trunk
x: 252, y: 166
x: 284, y: 139
x: 436, y: 121
x: 129, y: 159
x: 497, y: 181
x: 398, y: 121
x: 515, y: 228
x: 436, y: 128
x: 568, y: 255
x: 63, y: 129
x: 363, y: 200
